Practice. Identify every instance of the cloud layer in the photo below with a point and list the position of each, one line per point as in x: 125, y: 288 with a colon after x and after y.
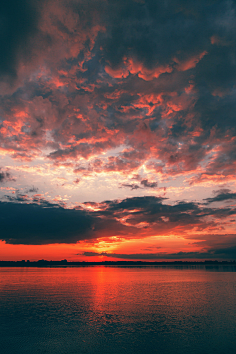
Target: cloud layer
x: 157, y: 78
x: 40, y: 222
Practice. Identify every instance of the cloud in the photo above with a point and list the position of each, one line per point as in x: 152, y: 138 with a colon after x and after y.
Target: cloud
x: 167, y: 110
x: 19, y: 25
x: 26, y: 220
x: 144, y: 183
x: 43, y: 224
x: 5, y: 176
x: 148, y: 184
x: 76, y: 181
x: 224, y: 253
x: 132, y: 186
x: 32, y: 190
x: 222, y: 195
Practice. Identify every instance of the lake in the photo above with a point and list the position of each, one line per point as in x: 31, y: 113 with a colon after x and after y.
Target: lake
x: 117, y: 310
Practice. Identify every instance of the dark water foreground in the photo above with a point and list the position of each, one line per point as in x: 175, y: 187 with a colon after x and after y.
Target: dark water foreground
x: 117, y: 310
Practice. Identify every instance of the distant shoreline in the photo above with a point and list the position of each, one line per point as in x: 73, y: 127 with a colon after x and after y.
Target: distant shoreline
x: 65, y: 263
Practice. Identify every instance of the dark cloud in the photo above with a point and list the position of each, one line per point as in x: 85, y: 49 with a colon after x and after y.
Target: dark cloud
x: 43, y: 224
x: 36, y: 221
x: 148, y: 184
x: 153, y: 32
x: 132, y: 186
x: 5, y: 176
x: 19, y: 25
x: 32, y: 190
x: 224, y: 253
x: 227, y: 252
x: 221, y: 196
x: 144, y: 183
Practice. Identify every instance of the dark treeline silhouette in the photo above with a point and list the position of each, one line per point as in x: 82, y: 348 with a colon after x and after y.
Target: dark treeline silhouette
x: 65, y: 263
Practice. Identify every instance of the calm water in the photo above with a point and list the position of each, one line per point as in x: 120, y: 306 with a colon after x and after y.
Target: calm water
x: 117, y: 310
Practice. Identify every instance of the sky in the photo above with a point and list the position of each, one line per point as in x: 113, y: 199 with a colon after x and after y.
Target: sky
x: 118, y: 130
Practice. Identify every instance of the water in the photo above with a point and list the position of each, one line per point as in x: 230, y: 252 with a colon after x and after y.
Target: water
x: 117, y: 310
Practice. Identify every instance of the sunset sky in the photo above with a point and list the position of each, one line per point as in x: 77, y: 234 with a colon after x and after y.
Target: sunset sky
x: 118, y: 130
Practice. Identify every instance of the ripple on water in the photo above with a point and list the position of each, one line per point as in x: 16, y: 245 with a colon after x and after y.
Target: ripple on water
x: 117, y: 310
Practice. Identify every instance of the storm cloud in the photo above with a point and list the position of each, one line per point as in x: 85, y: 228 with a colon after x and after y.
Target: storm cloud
x: 41, y: 222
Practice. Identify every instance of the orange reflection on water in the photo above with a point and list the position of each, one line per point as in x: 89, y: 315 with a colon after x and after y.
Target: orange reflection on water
x: 103, y: 300
x: 118, y: 291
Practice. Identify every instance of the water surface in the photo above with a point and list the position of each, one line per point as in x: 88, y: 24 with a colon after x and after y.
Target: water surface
x: 117, y: 310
